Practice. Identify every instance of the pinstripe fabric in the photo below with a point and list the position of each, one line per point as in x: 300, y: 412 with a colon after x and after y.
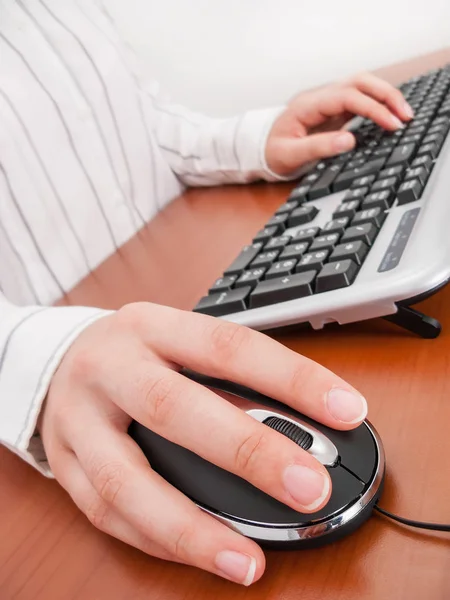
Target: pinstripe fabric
x: 90, y: 150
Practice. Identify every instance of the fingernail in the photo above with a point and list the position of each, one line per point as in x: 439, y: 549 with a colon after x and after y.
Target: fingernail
x: 396, y: 122
x: 346, y: 406
x: 239, y: 567
x: 343, y: 142
x: 308, y: 487
x: 408, y: 110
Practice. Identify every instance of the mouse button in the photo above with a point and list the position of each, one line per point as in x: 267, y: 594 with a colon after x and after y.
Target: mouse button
x: 357, y: 450
x: 345, y: 490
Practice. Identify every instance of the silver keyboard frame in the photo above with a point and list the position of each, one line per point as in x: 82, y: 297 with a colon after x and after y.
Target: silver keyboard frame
x: 424, y: 266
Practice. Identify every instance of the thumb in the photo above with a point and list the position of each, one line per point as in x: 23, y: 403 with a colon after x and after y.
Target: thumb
x: 292, y: 153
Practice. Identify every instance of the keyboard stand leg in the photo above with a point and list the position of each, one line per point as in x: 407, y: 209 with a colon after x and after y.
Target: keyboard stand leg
x: 416, y: 322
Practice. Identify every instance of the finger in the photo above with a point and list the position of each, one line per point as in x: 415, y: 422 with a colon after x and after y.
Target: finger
x: 349, y: 99
x: 384, y: 92
x: 178, y: 409
x: 225, y: 350
x: 74, y: 480
x: 121, y: 476
x: 292, y: 153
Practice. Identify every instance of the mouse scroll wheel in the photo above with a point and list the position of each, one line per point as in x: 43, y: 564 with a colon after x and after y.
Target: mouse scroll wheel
x: 295, y: 433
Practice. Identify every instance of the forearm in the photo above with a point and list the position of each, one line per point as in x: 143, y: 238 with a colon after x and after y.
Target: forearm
x: 206, y: 151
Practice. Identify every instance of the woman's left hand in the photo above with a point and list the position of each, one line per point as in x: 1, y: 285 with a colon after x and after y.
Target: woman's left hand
x: 311, y: 126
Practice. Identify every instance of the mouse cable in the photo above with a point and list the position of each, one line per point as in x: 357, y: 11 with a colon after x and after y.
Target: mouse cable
x: 418, y: 524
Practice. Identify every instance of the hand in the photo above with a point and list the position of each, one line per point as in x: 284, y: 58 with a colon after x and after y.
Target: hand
x: 125, y: 366
x: 298, y: 136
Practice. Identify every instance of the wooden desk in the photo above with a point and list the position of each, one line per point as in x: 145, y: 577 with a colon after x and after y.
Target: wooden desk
x: 48, y: 550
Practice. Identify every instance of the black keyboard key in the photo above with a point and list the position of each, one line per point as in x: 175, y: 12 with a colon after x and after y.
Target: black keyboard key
x: 444, y: 111
x: 336, y: 225
x: 419, y: 173
x: 361, y: 182
x: 312, y: 261
x: 390, y: 183
x: 248, y: 253
x: 355, y: 194
x: 310, y: 179
x: 250, y: 278
x: 290, y: 287
x: 367, y: 232
x: 356, y: 162
x: 434, y: 137
x: 322, y: 187
x: 265, y: 259
x: 441, y: 129
x: 325, y: 242
x: 345, y: 179
x: 302, y: 215
x: 444, y: 120
x: 287, y: 207
x: 265, y: 234
x: 305, y: 235
x: 279, y: 221
x: 294, y: 250
x: 300, y: 193
x: 279, y: 269
x: 383, y: 199
x: 412, y: 139
x: 224, y: 303
x: 385, y: 151
x: 335, y: 275
x: 409, y: 191
x: 346, y: 209
x: 402, y: 155
x: 391, y: 172
x: 355, y: 251
x: 376, y: 216
x: 277, y: 243
x: 429, y: 150
x: 423, y: 161
x: 222, y: 284
x: 414, y: 129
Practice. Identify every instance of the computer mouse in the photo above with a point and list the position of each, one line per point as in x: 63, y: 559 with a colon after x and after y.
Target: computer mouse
x: 354, y: 459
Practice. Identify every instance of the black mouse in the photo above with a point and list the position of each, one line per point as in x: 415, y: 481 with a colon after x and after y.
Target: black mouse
x: 354, y: 459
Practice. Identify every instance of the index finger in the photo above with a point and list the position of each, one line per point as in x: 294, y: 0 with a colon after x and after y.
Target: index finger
x: 381, y: 90
x: 225, y: 350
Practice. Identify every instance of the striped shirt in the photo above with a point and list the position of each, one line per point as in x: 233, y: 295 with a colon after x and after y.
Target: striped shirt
x: 90, y: 150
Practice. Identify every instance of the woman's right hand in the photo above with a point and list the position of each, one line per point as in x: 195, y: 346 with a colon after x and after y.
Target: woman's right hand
x: 125, y: 366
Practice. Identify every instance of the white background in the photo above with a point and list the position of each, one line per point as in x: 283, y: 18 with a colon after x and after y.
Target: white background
x: 222, y: 57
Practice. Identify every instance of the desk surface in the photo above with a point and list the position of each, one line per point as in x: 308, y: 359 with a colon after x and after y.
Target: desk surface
x: 48, y: 550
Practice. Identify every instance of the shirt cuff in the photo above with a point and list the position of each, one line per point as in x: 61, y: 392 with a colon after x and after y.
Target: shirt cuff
x: 34, y: 345
x: 252, y: 141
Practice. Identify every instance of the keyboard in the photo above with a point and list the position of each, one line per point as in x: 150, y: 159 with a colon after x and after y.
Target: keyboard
x: 362, y: 235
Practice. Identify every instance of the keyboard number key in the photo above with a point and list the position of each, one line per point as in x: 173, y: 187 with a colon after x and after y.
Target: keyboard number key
x: 335, y: 275
x: 325, y: 241
x: 367, y: 232
x: 222, y: 284
x: 282, y: 289
x: 224, y: 303
x: 409, y: 191
x: 312, y: 261
x: 278, y: 269
x: 251, y: 278
x: 355, y: 251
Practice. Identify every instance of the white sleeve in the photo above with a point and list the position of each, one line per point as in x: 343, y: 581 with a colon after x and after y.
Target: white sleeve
x: 200, y: 150
x: 33, y: 341
x: 210, y: 151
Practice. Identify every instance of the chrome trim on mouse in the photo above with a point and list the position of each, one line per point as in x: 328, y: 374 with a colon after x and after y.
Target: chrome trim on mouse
x: 266, y: 532
x: 322, y: 448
